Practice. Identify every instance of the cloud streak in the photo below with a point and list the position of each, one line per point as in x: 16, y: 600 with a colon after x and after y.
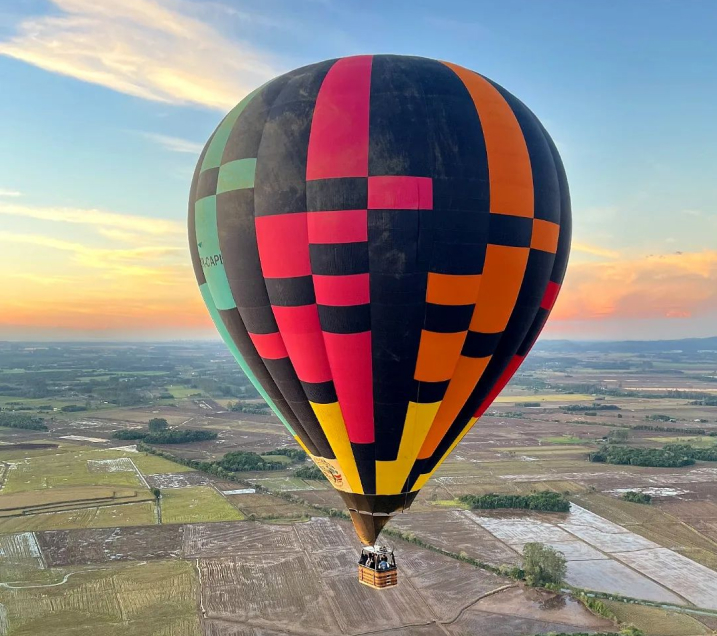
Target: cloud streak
x: 175, y: 144
x: 677, y: 285
x: 144, y: 48
x: 100, y: 219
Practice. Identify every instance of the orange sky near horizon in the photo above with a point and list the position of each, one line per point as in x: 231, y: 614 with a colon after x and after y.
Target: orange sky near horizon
x: 105, y: 275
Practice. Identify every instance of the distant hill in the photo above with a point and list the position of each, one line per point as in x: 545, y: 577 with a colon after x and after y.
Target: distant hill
x: 686, y: 345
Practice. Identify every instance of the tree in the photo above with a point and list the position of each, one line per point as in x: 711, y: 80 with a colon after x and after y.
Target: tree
x: 157, y: 493
x: 157, y: 424
x: 543, y: 564
x: 618, y: 436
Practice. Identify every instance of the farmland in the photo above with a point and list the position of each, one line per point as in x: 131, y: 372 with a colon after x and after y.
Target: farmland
x: 256, y: 557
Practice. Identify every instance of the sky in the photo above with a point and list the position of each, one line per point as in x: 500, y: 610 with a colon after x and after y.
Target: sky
x: 105, y: 107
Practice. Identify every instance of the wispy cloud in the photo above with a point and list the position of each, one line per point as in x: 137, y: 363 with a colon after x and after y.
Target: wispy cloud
x: 594, y: 250
x: 676, y: 285
x: 145, y: 48
x: 9, y: 193
x: 174, y: 144
x: 97, y: 218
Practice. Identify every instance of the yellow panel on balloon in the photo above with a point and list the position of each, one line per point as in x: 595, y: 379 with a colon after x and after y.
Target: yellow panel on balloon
x: 391, y: 476
x: 332, y: 423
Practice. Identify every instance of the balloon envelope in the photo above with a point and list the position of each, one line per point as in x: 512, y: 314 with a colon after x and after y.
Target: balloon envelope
x: 379, y: 240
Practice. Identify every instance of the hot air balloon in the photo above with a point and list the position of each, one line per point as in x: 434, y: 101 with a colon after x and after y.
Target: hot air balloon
x: 379, y: 241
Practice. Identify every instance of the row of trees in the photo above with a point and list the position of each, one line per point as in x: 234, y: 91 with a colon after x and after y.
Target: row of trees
x: 702, y: 454
x: 578, y: 408
x: 547, y: 500
x: 159, y: 433
x: 310, y: 472
x: 653, y: 457
x: 22, y: 420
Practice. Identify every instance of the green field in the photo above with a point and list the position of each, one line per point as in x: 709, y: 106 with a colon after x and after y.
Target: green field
x: 277, y: 459
x: 562, y: 439
x: 153, y: 465
x: 157, y: 598
x: 200, y: 503
x: 183, y: 391
x: 66, y: 467
x: 139, y: 514
x: 655, y: 621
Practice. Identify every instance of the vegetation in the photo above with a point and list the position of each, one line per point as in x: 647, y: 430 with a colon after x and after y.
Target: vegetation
x: 628, y: 631
x: 618, y: 436
x: 674, y: 429
x: 73, y: 408
x: 702, y: 454
x: 158, y: 424
x: 659, y: 417
x: 547, y: 500
x: 130, y: 434
x: 653, y: 457
x: 309, y: 472
x: 157, y: 493
x: 255, y: 409
x: 22, y: 420
x: 177, y: 436
x: 578, y: 408
x: 295, y: 454
x: 168, y: 436
x: 240, y: 461
x: 637, y: 497
x: 543, y: 564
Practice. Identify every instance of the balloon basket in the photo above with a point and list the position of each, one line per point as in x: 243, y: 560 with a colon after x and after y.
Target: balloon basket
x: 377, y: 568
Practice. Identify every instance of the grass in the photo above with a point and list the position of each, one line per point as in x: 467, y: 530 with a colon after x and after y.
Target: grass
x: 544, y: 397
x: 290, y: 483
x: 156, y: 598
x: 655, y: 621
x: 700, y: 441
x: 562, y: 439
x: 268, y: 507
x: 65, y: 467
x: 183, y: 391
x: 200, y: 503
x: 152, y: 465
x: 135, y: 514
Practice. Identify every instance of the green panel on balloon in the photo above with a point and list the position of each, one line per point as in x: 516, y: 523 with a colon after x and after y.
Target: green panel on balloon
x: 226, y: 337
x: 236, y: 175
x: 205, y: 215
x: 213, y: 156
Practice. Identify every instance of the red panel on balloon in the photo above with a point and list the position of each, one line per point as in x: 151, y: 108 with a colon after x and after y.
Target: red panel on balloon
x: 343, y: 226
x: 350, y: 358
x: 338, y: 145
x: 550, y: 296
x: 301, y: 332
x: 400, y: 193
x: 269, y: 345
x: 507, y: 374
x: 342, y: 291
x: 283, y: 245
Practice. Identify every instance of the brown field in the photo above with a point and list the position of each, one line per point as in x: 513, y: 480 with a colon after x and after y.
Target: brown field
x: 105, y: 545
x: 268, y: 507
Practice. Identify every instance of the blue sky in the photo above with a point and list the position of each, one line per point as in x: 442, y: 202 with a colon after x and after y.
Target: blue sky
x: 106, y: 106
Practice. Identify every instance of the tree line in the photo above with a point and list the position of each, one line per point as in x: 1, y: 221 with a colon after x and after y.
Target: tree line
x: 547, y: 500
x: 652, y: 457
x: 22, y: 420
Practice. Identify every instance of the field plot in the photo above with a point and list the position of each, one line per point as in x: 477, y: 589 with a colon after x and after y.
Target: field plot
x: 605, y: 556
x: 263, y: 580
x: 150, y: 599
x: 289, y: 484
x: 268, y: 507
x: 657, y: 622
x: 218, y: 539
x: 178, y: 480
x: 121, y: 464
x: 19, y: 553
x: 132, y: 514
x: 456, y: 532
x: 198, y: 503
x: 84, y: 547
x: 65, y: 467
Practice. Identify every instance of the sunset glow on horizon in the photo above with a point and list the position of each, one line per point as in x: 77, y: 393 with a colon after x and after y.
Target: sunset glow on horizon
x: 93, y: 190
